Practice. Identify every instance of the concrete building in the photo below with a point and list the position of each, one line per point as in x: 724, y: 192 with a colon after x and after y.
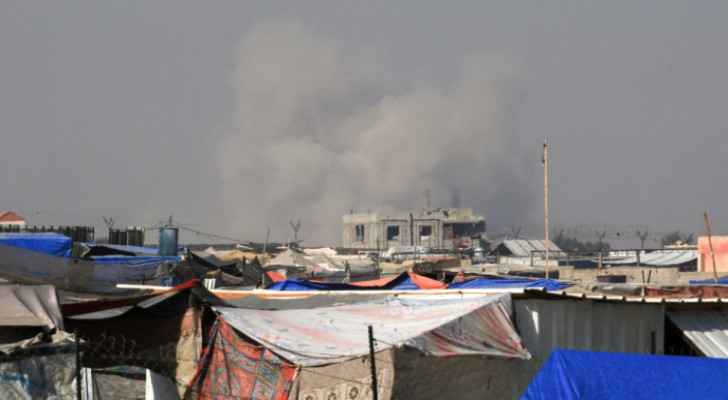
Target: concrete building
x: 9, y: 218
x: 720, y: 251
x: 442, y: 228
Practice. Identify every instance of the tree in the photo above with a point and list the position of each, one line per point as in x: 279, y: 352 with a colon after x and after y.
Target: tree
x: 567, y: 243
x: 677, y: 236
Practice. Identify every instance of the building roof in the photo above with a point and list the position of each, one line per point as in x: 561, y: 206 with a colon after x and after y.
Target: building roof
x: 660, y: 258
x: 524, y: 248
x: 707, y: 330
x: 10, y: 216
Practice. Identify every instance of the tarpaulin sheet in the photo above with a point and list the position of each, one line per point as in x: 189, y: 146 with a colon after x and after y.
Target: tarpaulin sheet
x: 467, y: 325
x: 232, y: 368
x: 52, y: 244
x: 584, y: 375
x: 30, y: 306
x: 135, y: 261
x: 404, y: 281
x: 485, y: 283
x: 721, y: 281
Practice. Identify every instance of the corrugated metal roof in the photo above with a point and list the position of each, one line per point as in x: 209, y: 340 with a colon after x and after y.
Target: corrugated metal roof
x: 659, y: 258
x: 707, y: 330
x: 523, y: 248
x: 624, y: 299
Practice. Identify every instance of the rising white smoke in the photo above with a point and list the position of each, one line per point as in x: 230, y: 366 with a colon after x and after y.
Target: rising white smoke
x: 317, y: 133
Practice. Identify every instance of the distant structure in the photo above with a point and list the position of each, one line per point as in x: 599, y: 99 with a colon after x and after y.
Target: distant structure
x: 10, y: 218
x: 527, y: 252
x: 441, y: 228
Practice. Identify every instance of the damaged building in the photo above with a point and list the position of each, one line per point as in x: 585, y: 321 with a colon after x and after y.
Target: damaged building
x: 442, y: 228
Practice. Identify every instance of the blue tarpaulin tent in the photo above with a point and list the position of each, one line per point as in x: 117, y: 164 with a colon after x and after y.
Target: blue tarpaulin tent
x: 486, y: 283
x: 585, y: 375
x: 53, y: 244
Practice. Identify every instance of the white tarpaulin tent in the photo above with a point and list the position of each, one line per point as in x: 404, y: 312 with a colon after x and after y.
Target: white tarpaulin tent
x: 440, y: 327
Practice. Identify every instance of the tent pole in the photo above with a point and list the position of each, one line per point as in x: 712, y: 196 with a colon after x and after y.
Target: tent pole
x: 372, y: 361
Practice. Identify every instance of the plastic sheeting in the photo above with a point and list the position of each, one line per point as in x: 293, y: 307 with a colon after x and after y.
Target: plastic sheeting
x: 52, y: 244
x: 583, y: 375
x: 469, y: 325
x: 405, y: 281
x: 485, y: 283
x: 721, y: 281
x: 30, y: 306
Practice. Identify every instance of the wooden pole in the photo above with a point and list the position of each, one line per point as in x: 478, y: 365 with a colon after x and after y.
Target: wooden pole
x: 372, y: 361
x: 710, y: 245
x: 546, y: 203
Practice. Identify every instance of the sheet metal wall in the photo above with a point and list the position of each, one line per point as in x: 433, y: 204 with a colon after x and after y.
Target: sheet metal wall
x: 589, y: 325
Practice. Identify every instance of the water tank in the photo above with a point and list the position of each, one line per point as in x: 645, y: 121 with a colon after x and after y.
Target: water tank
x: 168, y: 241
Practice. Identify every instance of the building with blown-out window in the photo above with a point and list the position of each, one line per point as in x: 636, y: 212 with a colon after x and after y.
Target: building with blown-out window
x: 441, y: 228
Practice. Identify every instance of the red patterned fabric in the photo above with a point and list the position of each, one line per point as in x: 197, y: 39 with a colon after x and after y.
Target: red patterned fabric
x: 232, y: 368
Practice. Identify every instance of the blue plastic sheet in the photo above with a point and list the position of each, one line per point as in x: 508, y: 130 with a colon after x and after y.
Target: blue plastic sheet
x: 401, y: 282
x: 585, y: 375
x: 486, y: 283
x: 53, y: 244
x: 135, y: 260
x: 721, y: 281
x: 293, y: 285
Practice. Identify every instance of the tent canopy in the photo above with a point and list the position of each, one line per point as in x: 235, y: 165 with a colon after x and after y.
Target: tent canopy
x: 30, y: 306
x: 582, y: 375
x: 320, y: 336
x: 404, y: 281
x: 53, y: 244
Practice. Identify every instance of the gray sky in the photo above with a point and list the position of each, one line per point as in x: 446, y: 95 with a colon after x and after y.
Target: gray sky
x: 235, y: 116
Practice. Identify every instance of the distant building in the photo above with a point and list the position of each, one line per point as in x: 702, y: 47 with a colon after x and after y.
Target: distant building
x: 10, y: 218
x: 720, y: 251
x: 526, y: 252
x: 442, y: 228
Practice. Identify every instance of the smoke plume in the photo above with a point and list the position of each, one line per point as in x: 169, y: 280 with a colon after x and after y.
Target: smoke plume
x: 318, y: 132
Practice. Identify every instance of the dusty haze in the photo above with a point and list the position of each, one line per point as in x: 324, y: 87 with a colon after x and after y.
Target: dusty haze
x: 240, y: 116
x: 318, y: 133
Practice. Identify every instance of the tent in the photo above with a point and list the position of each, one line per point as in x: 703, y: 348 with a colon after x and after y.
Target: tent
x: 52, y: 244
x: 323, y: 353
x: 45, y: 258
x: 470, y: 325
x: 585, y: 375
x: 513, y: 283
x: 37, y: 358
x: 160, y: 331
x: 32, y: 308
x: 403, y: 281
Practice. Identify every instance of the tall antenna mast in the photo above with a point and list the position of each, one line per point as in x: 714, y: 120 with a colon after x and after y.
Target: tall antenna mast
x: 546, y: 202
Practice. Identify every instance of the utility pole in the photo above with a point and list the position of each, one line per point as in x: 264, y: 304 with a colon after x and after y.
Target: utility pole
x: 643, y: 235
x: 710, y: 245
x: 265, y: 244
x: 296, y: 227
x: 546, y: 202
